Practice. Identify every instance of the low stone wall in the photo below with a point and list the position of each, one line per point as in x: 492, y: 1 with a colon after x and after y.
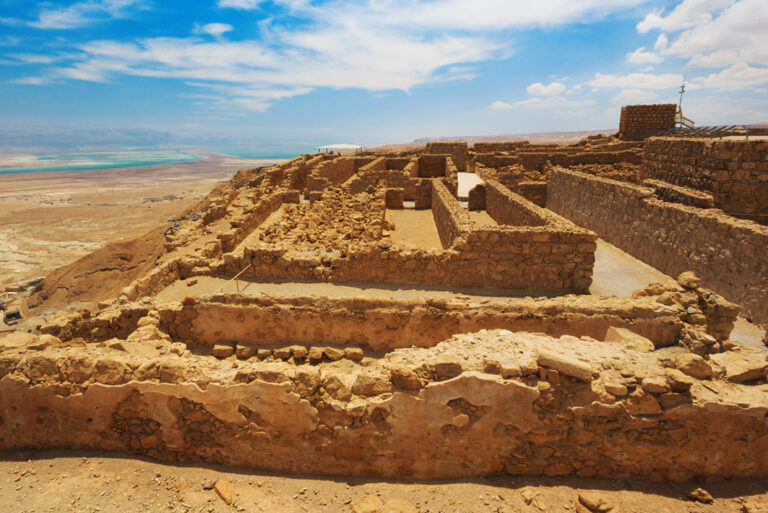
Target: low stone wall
x: 677, y: 194
x: 498, y: 146
x: 466, y: 407
x: 640, y: 121
x: 734, y: 171
x: 450, y: 218
x: 338, y: 170
x: 727, y: 253
x: 508, y: 208
x: 476, y: 197
x: 250, y: 218
x: 535, y: 192
x: 457, y: 150
x: 537, y: 160
x: 537, y: 250
x: 432, y: 166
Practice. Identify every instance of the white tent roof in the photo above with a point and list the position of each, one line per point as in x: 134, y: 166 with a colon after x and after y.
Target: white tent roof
x: 340, y: 147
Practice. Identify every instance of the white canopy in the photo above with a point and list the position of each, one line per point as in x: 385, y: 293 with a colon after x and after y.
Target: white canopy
x: 339, y: 147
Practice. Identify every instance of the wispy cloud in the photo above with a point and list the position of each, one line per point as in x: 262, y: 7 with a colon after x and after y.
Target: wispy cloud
x: 83, y: 13
x: 214, y: 29
x: 539, y: 89
x: 376, y: 45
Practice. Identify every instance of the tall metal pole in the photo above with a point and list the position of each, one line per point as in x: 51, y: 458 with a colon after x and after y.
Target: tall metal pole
x: 682, y: 90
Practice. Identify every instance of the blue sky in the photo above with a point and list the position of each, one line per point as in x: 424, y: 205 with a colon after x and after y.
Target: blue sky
x: 216, y: 73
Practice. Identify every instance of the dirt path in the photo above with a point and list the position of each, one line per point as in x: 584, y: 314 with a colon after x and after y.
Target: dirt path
x: 414, y: 228
x: 80, y: 482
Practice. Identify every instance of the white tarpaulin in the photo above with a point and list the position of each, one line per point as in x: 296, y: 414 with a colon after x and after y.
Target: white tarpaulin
x: 331, y: 147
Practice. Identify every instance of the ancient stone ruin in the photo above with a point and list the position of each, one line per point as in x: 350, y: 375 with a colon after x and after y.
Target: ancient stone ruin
x: 371, y: 315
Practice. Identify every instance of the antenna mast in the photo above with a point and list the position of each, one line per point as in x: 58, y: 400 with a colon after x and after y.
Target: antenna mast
x: 681, y: 120
x: 682, y: 90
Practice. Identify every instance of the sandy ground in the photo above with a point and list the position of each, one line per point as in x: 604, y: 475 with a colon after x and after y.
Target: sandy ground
x: 80, y: 482
x: 51, y: 219
x: 414, y: 228
x: 481, y: 218
x: 204, y: 285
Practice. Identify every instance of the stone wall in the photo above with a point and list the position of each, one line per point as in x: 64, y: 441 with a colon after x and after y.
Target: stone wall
x: 727, y: 253
x: 457, y: 150
x: 491, y: 147
x: 536, y: 250
x: 640, y: 121
x: 384, y: 324
x: 432, y: 166
x: 508, y: 208
x: 535, y: 192
x: 478, y: 404
x: 734, y: 171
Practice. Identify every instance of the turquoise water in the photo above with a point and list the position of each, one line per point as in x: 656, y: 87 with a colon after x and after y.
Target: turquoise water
x: 85, y: 161
x: 116, y: 160
x: 255, y: 154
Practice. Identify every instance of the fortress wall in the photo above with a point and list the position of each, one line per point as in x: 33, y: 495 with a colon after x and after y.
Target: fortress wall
x: 640, y: 121
x: 735, y: 171
x: 727, y: 253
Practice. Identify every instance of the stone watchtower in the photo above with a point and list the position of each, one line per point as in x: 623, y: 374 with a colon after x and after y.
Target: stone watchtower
x: 640, y: 121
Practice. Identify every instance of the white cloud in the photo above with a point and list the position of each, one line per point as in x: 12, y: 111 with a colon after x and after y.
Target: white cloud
x: 687, y: 14
x: 551, y: 103
x: 738, y: 76
x: 539, y: 89
x: 500, y: 105
x: 30, y: 81
x: 214, y: 29
x: 376, y: 45
x: 240, y: 4
x: 636, y: 81
x: 642, y: 56
x: 82, y: 13
x: 661, y: 43
x: 634, y: 97
x: 714, y: 33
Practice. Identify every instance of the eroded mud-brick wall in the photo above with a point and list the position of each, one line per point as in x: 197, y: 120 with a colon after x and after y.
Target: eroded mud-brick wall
x: 736, y: 172
x: 727, y: 253
x: 640, y: 121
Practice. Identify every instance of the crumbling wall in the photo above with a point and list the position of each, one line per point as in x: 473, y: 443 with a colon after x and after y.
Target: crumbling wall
x: 457, y: 150
x: 734, y: 171
x: 727, y: 253
x: 248, y: 217
x: 640, y: 121
x: 466, y: 407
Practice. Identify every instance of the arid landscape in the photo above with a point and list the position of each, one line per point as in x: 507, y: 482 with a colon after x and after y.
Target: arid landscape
x: 448, y: 327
